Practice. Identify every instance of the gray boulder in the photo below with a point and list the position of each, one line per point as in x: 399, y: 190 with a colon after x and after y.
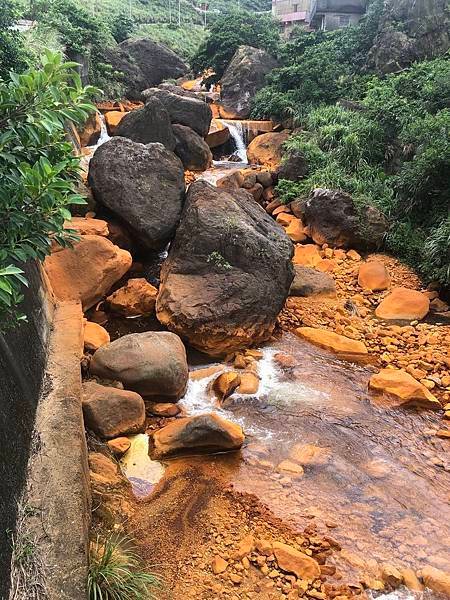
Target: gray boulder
x: 152, y: 364
x: 244, y: 76
x: 148, y: 124
x: 191, y: 148
x: 142, y: 185
x: 110, y: 412
x: 293, y: 167
x: 228, y: 272
x: 183, y: 109
x: 143, y: 63
x: 309, y: 282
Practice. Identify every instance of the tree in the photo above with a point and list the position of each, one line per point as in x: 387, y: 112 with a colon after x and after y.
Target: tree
x: 12, y: 52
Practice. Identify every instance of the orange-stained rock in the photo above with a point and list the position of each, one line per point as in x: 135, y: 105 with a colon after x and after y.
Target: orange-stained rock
x: 405, y: 304
x: 309, y: 455
x: 333, y: 341
x: 403, y: 389
x: 249, y: 383
x: 88, y: 270
x: 283, y: 218
x: 225, y: 384
x: 291, y: 467
x: 137, y: 297
x: 218, y: 565
x: 164, y: 409
x: 295, y: 230
x: 112, y: 120
x: 88, y: 226
x: 373, y: 276
x: 291, y: 560
x: 436, y: 580
x: 95, y: 336
x: 307, y: 255
x: 205, y: 372
x: 327, y: 265
x: 266, y: 149
x: 218, y: 134
x: 91, y: 131
x: 119, y: 446
x: 203, y: 433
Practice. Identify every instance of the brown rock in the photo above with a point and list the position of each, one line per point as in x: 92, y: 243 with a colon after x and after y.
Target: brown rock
x: 309, y: 455
x: 88, y: 270
x: 246, y: 547
x: 203, y: 433
x: 90, y: 133
x: 119, y: 446
x: 307, y: 255
x: 105, y: 468
x: 373, y: 276
x: 403, y: 303
x: 249, y: 383
x: 291, y: 467
x: 411, y: 580
x: 295, y: 230
x: 218, y: 565
x: 436, y: 580
x: 391, y: 575
x: 403, y: 389
x: 266, y: 149
x: 88, y: 226
x: 225, y: 384
x: 95, y: 336
x: 137, y: 297
x: 333, y: 341
x: 205, y: 372
x: 112, y: 120
x: 164, y: 409
x: 291, y: 560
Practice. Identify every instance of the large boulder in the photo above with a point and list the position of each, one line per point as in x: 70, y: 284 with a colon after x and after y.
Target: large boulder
x: 267, y: 149
x: 151, y: 123
x: 142, y: 185
x: 293, y: 167
x: 332, y: 218
x: 152, y: 364
x: 87, y: 271
x: 374, y: 276
x: 228, y: 272
x: 403, y: 389
x: 110, y: 412
x: 310, y: 282
x: 244, y: 76
x: 183, y: 109
x: 137, y: 297
x: 403, y: 304
x: 143, y: 63
x: 202, y: 433
x: 192, y: 149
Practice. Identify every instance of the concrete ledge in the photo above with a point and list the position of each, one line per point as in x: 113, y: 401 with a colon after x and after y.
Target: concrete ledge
x: 58, y: 488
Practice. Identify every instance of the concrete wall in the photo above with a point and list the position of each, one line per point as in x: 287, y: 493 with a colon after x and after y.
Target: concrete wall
x: 23, y: 353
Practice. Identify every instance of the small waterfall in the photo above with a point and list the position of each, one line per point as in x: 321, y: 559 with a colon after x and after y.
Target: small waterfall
x: 239, y: 135
x: 104, y: 135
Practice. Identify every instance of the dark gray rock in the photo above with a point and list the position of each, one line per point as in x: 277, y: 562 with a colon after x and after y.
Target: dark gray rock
x: 244, y: 76
x: 191, y: 148
x: 332, y: 218
x: 228, y: 272
x: 148, y: 124
x: 183, y: 109
x: 152, y: 364
x: 309, y: 282
x: 142, y: 185
x: 293, y: 167
x: 144, y: 63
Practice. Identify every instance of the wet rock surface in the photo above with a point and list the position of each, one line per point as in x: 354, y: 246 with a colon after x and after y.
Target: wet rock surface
x: 192, y: 149
x: 148, y: 124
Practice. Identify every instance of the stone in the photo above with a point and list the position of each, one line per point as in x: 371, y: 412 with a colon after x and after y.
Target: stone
x: 391, y: 575
x: 88, y: 226
x: 436, y: 580
x: 293, y: 167
x: 373, y: 276
x: 291, y: 560
x: 112, y: 120
x: 267, y: 149
x: 403, y: 389
x: 249, y: 383
x: 219, y: 565
x: 152, y: 364
x: 295, y: 230
x: 105, y: 468
x: 225, y: 384
x: 291, y: 467
x: 411, y: 580
x: 144, y: 63
x: 95, y: 336
x: 403, y: 304
x: 142, y: 185
x: 218, y: 134
x: 87, y: 271
x: 164, y: 409
x: 329, y: 340
x: 148, y: 124
x: 119, y: 446
x: 228, y: 272
x: 309, y: 455
x: 438, y: 306
x: 136, y: 297
x: 110, y: 412
x: 353, y: 255
x: 309, y: 282
x: 192, y: 149
x: 206, y: 433
x: 245, y: 548
x: 243, y: 77
x: 332, y: 218
x: 307, y: 255
x: 183, y: 108
x: 90, y: 132
x: 264, y: 178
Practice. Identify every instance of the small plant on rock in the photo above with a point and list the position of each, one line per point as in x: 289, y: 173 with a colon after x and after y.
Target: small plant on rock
x: 217, y: 259
x: 115, y: 572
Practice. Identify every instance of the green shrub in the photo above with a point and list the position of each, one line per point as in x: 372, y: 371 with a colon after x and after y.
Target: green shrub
x: 115, y: 572
x: 38, y: 170
x: 13, y: 56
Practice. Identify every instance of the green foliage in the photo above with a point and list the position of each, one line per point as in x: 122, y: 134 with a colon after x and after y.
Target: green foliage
x: 38, y: 170
x: 121, y: 26
x: 183, y: 40
x: 217, y: 259
x: 228, y: 32
x: 115, y: 572
x: 12, y: 51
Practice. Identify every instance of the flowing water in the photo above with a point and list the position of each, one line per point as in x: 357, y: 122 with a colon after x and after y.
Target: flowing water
x: 239, y: 135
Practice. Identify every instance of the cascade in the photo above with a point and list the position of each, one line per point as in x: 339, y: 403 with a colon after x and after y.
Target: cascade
x: 239, y: 134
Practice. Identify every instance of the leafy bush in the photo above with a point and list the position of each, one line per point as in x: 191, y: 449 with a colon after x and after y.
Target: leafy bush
x: 228, y: 32
x: 114, y: 572
x: 38, y: 170
x: 12, y: 51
